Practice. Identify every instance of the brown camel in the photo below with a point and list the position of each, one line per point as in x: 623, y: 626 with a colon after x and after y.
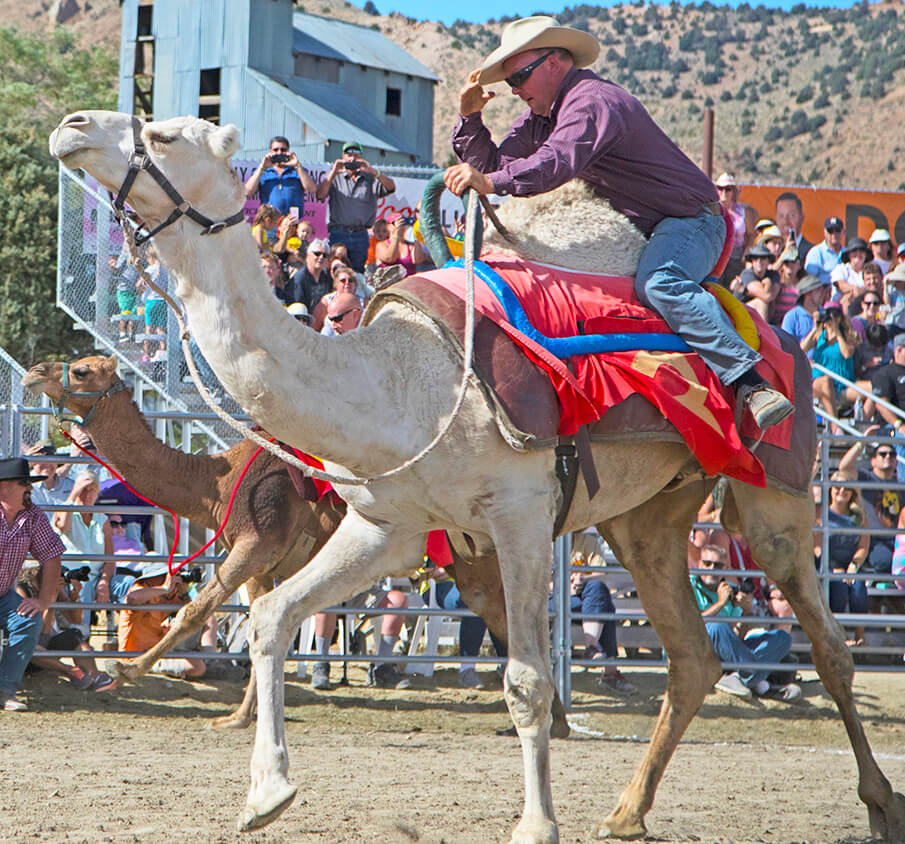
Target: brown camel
x: 271, y: 533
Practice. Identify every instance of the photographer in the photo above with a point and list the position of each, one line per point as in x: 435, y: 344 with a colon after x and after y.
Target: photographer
x: 353, y: 187
x: 397, y: 250
x: 834, y: 341
x: 281, y: 180
x: 142, y: 629
x: 717, y: 597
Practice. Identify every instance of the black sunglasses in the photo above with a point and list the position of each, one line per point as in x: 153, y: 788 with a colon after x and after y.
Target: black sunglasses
x: 869, y: 302
x: 339, y: 317
x: 520, y: 77
x: 884, y: 453
x: 834, y: 229
x: 318, y: 254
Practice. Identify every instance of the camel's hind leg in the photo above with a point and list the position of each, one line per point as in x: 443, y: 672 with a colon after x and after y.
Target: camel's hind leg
x: 650, y: 541
x: 778, y: 529
x: 242, y: 717
x: 354, y: 558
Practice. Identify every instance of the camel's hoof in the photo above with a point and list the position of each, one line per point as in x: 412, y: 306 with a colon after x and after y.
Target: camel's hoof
x: 888, y: 822
x: 535, y: 831
x: 123, y: 671
x: 228, y: 722
x: 256, y: 818
x: 560, y: 728
x: 615, y: 826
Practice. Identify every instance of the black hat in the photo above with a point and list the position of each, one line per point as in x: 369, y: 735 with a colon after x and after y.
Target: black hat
x: 855, y: 244
x: 758, y: 251
x: 833, y: 223
x: 16, y: 469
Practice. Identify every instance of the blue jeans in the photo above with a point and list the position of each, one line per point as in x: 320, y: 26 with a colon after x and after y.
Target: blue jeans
x: 23, y: 634
x: 471, y: 630
x: 680, y: 254
x: 851, y: 597
x: 769, y: 646
x: 356, y: 243
x: 595, y: 598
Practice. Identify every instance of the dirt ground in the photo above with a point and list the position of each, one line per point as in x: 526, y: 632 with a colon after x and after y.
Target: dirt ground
x: 426, y: 765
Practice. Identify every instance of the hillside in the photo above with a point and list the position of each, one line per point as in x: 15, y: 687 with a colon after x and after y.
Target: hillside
x: 809, y: 96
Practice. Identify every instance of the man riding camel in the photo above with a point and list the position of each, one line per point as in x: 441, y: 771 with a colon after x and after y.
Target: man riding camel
x: 579, y: 125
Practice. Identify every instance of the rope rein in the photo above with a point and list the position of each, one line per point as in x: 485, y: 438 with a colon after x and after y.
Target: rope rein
x: 309, y: 471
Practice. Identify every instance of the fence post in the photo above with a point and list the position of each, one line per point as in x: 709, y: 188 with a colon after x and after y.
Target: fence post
x: 562, y: 620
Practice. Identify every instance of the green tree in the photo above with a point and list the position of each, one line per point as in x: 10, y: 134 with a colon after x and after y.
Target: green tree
x: 41, y: 79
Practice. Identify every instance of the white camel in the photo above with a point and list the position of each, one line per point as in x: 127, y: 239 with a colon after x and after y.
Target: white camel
x: 367, y: 401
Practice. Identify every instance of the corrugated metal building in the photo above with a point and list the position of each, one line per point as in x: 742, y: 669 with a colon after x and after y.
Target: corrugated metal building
x: 271, y: 71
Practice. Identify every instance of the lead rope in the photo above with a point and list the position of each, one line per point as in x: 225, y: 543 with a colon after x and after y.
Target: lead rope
x: 275, y: 450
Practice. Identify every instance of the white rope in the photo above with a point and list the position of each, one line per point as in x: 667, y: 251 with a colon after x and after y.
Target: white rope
x: 275, y: 450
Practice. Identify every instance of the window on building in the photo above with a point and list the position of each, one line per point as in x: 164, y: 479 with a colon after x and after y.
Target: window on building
x: 394, y: 102
x: 209, y: 95
x: 143, y: 69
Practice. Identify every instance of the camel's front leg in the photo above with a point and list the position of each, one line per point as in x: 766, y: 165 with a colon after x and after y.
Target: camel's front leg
x: 231, y: 574
x: 777, y: 527
x: 526, y: 560
x: 354, y: 558
x: 650, y: 541
x: 241, y: 718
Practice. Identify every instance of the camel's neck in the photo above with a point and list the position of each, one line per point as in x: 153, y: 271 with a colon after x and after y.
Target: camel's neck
x: 327, y: 395
x: 185, y: 483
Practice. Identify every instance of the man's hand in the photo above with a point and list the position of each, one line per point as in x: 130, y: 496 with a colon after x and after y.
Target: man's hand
x: 462, y: 176
x: 293, y: 160
x: 102, y: 592
x: 266, y: 161
x: 472, y: 97
x: 30, y: 607
x: 725, y: 592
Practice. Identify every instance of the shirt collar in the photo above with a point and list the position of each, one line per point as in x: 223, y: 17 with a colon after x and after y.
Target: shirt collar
x: 567, y: 82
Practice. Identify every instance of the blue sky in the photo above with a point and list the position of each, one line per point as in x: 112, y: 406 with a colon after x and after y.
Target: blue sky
x: 480, y: 11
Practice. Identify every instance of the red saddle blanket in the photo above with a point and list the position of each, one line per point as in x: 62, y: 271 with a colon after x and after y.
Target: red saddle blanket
x: 564, y: 303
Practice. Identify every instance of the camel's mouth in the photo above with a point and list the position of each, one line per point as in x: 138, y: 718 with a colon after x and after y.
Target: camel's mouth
x: 34, y: 379
x: 65, y: 142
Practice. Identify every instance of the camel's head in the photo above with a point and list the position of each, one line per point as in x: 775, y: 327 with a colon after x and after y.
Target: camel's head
x: 192, y: 153
x: 89, y: 379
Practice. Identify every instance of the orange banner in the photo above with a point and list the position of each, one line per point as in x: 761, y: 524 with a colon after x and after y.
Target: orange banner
x: 862, y: 211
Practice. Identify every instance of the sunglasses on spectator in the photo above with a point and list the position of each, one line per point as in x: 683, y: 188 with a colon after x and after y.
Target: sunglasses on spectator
x: 340, y: 317
x: 868, y: 302
x: 520, y: 77
x: 116, y: 522
x: 885, y: 453
x: 834, y: 229
x: 318, y: 254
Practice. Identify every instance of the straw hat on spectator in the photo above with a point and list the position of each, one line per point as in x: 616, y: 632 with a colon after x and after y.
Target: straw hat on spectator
x: 537, y: 33
x: 763, y: 223
x: 726, y: 181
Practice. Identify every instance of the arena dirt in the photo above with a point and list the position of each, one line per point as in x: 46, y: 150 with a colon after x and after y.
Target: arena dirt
x: 426, y: 765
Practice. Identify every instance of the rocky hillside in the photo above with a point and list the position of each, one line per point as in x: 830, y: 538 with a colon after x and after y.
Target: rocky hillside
x: 810, y: 96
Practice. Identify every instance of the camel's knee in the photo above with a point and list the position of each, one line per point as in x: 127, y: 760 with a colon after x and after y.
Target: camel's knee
x: 691, y: 680
x: 266, y: 630
x: 528, y: 693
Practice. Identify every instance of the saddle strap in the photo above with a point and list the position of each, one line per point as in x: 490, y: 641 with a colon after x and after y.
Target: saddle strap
x: 566, y: 456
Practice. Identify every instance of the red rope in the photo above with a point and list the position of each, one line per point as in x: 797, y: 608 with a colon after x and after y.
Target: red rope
x: 213, y: 539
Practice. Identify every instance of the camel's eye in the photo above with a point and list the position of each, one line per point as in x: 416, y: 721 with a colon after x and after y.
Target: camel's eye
x: 81, y: 372
x: 156, y: 137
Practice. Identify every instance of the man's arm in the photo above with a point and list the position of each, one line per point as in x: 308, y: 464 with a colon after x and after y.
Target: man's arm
x: 304, y: 178
x: 50, y: 581
x: 882, y: 386
x: 255, y: 179
x: 324, y: 187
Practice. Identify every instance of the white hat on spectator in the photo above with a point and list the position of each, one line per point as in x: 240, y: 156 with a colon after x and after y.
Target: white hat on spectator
x: 763, y: 223
x: 897, y: 275
x: 153, y: 570
x: 769, y: 233
x: 726, y: 181
x: 880, y: 236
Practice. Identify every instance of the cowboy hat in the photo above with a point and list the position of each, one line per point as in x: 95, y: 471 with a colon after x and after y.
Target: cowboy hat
x: 16, y: 469
x: 536, y: 33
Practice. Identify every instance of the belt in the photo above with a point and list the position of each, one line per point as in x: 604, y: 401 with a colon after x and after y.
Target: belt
x: 713, y: 208
x: 338, y: 227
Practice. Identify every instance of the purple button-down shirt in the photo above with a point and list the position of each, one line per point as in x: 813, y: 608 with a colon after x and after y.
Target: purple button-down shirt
x: 30, y: 534
x: 598, y: 132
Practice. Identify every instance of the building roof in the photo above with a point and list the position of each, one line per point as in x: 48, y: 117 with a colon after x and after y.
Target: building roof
x: 348, y: 42
x: 331, y: 112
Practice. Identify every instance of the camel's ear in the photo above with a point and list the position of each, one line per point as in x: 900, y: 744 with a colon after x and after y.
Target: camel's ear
x: 224, y: 141
x: 110, y: 364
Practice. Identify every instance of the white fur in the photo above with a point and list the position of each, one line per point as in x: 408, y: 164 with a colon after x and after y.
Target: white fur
x: 569, y: 227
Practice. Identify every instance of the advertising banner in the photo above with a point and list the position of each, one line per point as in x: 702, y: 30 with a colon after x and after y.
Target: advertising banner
x: 862, y: 211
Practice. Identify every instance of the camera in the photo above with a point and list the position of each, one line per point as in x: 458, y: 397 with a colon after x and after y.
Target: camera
x: 82, y: 573
x: 746, y: 586
x: 827, y: 314
x: 192, y: 575
x: 352, y: 165
x: 279, y: 158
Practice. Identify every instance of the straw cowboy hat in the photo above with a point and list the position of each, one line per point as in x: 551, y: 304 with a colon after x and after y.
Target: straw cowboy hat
x: 536, y: 33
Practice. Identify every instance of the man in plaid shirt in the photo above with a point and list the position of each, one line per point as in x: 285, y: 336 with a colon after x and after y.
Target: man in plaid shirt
x: 24, y: 532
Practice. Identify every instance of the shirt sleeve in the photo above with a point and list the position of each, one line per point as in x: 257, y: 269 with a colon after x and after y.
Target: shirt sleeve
x: 585, y: 129
x: 472, y: 143
x: 881, y: 384
x: 45, y: 544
